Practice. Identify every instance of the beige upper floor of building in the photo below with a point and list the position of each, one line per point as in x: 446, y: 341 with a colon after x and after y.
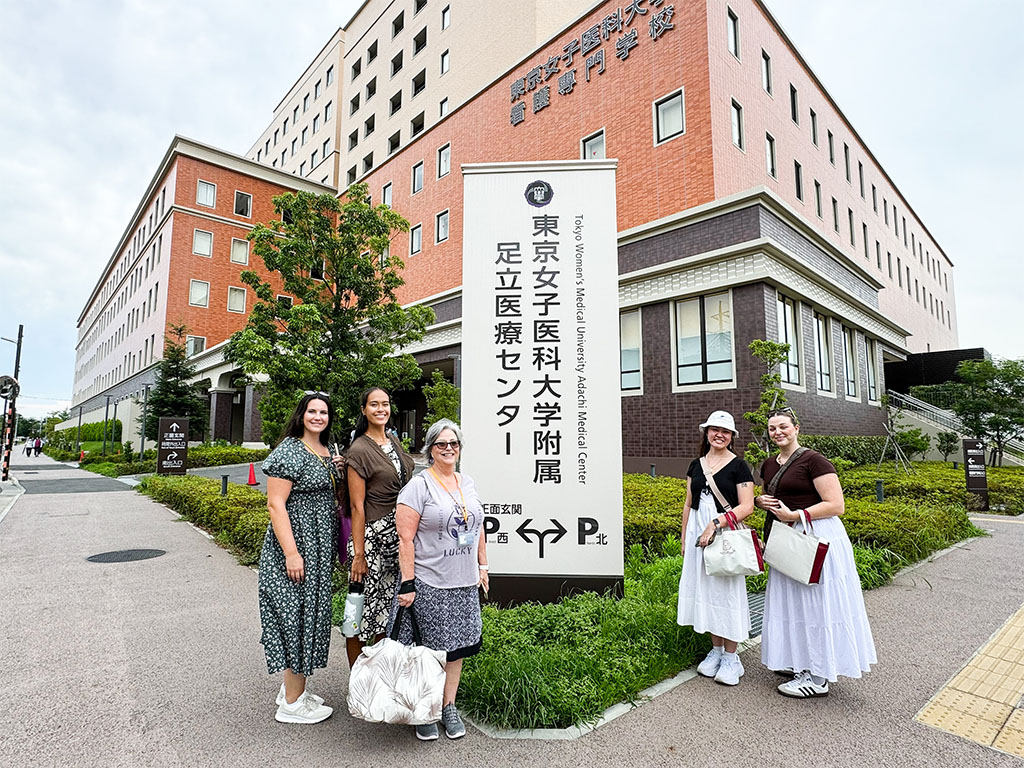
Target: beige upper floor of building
x: 303, y: 137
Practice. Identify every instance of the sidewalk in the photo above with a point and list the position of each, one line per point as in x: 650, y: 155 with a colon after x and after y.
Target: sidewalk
x: 157, y: 663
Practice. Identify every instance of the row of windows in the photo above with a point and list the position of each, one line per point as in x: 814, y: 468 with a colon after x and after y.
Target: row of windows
x: 263, y: 154
x: 916, y: 246
x: 328, y: 114
x: 199, y: 296
x: 206, y: 196
x: 704, y: 353
x: 202, y: 245
x: 397, y: 25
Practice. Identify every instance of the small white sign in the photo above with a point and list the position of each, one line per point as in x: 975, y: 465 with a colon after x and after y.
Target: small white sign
x: 540, y: 365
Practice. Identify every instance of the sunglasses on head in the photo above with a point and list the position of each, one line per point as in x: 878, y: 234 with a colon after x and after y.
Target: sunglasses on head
x: 442, y: 444
x: 782, y: 412
x: 318, y: 393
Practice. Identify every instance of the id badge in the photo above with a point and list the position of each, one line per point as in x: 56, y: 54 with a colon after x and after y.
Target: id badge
x: 465, y: 538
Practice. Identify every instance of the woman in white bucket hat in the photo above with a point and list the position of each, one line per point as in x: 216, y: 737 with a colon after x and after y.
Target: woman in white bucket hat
x: 715, y: 604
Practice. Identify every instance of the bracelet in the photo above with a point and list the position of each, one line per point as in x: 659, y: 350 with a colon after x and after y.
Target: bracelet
x: 483, y: 566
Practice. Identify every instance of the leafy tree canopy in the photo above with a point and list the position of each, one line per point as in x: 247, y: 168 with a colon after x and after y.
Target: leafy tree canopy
x: 173, y: 394
x: 991, y: 401
x: 341, y: 332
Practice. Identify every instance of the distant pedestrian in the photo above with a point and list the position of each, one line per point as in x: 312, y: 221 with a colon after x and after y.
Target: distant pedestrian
x: 715, y: 604
x: 29, y: 445
x: 39, y: 446
x: 297, y: 561
x: 820, y: 631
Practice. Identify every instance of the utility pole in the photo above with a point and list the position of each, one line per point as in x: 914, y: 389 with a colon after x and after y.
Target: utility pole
x: 10, y: 423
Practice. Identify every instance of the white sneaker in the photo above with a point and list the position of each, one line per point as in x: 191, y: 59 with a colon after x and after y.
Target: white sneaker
x: 281, y: 699
x: 709, y: 667
x: 303, y: 710
x: 729, y: 671
x: 803, y: 687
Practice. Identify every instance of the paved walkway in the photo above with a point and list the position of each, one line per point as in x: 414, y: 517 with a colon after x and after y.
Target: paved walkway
x: 157, y: 663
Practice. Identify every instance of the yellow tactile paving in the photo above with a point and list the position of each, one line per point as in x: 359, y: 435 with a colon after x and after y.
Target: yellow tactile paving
x: 983, y: 700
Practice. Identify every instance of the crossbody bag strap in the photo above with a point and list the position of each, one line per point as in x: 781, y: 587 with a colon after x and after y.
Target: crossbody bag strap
x: 709, y: 477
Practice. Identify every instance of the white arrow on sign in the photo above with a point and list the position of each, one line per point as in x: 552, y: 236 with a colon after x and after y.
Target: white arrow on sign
x: 970, y: 460
x: 174, y: 426
x: 172, y: 455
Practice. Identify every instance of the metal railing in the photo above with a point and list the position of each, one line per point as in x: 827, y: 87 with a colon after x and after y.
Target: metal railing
x: 940, y: 418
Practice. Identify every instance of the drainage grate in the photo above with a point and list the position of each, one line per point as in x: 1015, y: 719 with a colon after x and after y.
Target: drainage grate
x: 125, y: 555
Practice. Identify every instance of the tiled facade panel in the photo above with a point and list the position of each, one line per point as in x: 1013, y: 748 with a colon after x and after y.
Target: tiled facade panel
x: 737, y: 170
x: 445, y: 311
x: 773, y: 227
x: 652, y: 182
x: 701, y: 237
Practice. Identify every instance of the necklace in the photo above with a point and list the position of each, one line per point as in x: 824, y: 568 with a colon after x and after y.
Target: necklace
x: 458, y: 485
x: 716, y: 465
x: 323, y: 461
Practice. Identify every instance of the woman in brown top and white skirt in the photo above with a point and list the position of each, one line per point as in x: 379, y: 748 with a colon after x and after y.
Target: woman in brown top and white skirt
x: 378, y: 468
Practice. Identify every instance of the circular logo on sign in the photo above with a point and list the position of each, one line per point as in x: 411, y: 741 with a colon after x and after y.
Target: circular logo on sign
x: 539, y: 193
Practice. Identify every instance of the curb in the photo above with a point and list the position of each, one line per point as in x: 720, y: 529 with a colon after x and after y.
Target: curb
x: 14, y: 495
x: 613, y: 712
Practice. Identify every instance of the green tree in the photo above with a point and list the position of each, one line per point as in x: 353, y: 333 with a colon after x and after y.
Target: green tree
x: 991, y: 402
x: 341, y: 332
x: 946, y: 443
x: 173, y: 394
x: 442, y: 398
x: 773, y: 397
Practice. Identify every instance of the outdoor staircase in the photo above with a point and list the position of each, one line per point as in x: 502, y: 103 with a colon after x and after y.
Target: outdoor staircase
x: 932, y: 420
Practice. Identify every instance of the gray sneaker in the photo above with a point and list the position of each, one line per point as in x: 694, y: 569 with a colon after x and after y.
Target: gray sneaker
x: 453, y: 726
x: 427, y: 732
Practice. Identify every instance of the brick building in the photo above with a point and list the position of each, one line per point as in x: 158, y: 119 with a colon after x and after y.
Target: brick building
x: 179, y: 263
x: 748, y: 208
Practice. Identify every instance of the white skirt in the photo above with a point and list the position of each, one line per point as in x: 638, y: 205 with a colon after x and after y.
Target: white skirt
x: 821, y: 627
x: 715, y: 604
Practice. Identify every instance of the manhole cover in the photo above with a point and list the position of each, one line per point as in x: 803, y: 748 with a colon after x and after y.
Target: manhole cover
x: 125, y: 555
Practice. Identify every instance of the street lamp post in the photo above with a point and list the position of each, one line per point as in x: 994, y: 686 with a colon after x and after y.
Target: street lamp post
x: 10, y: 423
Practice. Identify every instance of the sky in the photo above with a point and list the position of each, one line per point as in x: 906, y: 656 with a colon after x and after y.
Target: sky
x: 92, y: 92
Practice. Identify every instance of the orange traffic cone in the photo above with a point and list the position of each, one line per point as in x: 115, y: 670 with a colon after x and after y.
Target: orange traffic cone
x: 252, y: 475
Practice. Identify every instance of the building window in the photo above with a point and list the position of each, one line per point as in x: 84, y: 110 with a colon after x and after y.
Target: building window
x: 846, y: 159
x: 202, y: 243
x: 669, y: 118
x: 194, y: 345
x: 443, y: 107
x: 305, y: 135
x: 703, y: 327
x: 874, y: 198
x: 394, y: 142
x: 317, y: 270
x: 371, y: 89
x: 888, y: 259
x: 860, y: 174
x: 302, y: 168
x: 351, y: 175
x: 368, y: 163
x: 899, y: 271
x: 732, y: 28
x: 415, y: 239
x: 788, y: 319
x: 794, y: 104
x: 850, y: 360
x: 285, y: 302
x: 316, y: 122
x: 831, y: 148
x: 823, y: 352
x: 814, y: 127
x: 769, y: 155
x: 798, y: 180
x: 872, y: 355
x: 295, y: 144
x: 817, y: 199
x: 396, y: 102
x: 835, y: 214
x: 417, y: 177
x: 419, y: 42
x: 385, y: 194
x: 326, y: 148
x: 357, y: 68
x: 199, y: 293
x: 630, y: 377
x: 398, y: 24
x: 371, y: 52
x: 446, y: 17
x: 592, y: 147
x: 318, y: 89
x: 330, y: 74
x: 416, y: 125
x: 849, y: 216
x: 239, y: 251
x: 295, y: 116
x: 368, y: 126
x: 446, y: 62
x: 441, y: 227
x: 206, y: 194
x: 419, y: 82
x: 243, y: 204
x: 396, y: 64
x: 737, y: 124
x: 276, y: 134
x: 236, y: 299
x: 444, y: 160
x: 313, y: 160
x: 420, y: 5
x: 328, y: 111
x: 305, y: 103
x: 766, y: 72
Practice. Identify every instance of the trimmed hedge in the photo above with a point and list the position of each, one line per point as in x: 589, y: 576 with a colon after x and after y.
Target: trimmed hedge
x: 199, y: 456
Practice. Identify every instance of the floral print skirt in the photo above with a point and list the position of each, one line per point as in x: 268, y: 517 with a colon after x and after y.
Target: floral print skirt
x: 381, y: 581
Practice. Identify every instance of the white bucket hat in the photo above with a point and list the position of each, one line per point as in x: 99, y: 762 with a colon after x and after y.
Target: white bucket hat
x: 721, y: 419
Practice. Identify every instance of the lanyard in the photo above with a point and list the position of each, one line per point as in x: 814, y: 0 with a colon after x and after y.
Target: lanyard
x: 458, y: 485
x: 323, y: 461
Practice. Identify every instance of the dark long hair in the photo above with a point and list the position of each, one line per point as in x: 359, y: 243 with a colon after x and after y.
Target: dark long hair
x: 705, y: 444
x: 362, y: 423
x: 295, y: 426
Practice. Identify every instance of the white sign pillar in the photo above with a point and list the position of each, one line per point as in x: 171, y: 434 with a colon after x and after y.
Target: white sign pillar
x: 540, y: 374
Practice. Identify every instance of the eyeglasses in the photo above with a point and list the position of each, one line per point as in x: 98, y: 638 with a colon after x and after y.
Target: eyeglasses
x: 442, y: 444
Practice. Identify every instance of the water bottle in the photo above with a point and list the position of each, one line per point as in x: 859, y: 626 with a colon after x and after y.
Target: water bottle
x: 353, y: 610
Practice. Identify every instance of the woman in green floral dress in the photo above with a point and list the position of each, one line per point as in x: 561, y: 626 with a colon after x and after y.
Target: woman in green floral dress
x: 298, y: 558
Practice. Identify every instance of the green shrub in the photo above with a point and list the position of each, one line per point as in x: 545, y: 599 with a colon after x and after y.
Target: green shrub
x: 238, y: 521
x: 198, y: 456
x: 652, y: 508
x: 909, y: 530
x: 858, y: 449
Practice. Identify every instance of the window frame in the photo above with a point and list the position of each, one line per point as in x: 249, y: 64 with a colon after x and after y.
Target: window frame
x: 208, y: 183
x: 639, y: 371
x: 196, y: 231
x: 244, y: 195
x: 245, y: 297
x: 446, y: 17
x: 386, y: 192
x: 679, y: 93
x: 823, y: 352
x: 446, y: 62
x: 766, y: 73
x: 232, y: 258
x: 850, y: 338
x: 415, y: 189
x: 415, y: 233
x: 437, y: 229
x: 783, y: 304
x: 732, y: 32
x: 736, y: 125
x: 704, y: 383
x: 588, y: 139
x: 771, y: 166
x: 444, y: 151
x: 192, y: 282
x: 189, y: 338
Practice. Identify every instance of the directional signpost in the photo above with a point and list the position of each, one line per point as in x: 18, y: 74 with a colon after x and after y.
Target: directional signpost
x: 974, y: 469
x: 172, y: 446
